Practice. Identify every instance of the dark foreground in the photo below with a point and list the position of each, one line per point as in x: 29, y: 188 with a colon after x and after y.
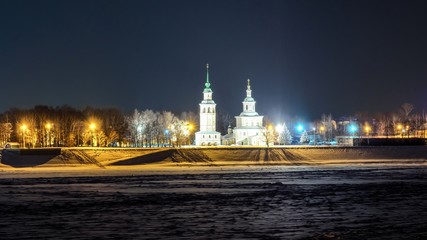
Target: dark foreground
x: 289, y: 203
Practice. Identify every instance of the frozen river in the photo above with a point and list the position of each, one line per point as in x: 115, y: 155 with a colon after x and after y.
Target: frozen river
x: 269, y: 203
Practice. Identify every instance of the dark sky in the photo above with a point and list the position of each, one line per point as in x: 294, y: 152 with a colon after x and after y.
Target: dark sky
x: 303, y: 57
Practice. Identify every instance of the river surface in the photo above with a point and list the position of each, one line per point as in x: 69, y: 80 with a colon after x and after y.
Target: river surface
x: 269, y: 203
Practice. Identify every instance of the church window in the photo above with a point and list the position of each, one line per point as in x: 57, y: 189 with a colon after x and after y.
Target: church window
x: 204, y: 110
x: 209, y: 136
x: 215, y: 136
x: 246, y: 107
x: 209, y: 109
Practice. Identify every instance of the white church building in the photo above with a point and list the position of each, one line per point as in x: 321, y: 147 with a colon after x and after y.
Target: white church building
x: 249, y: 129
x: 208, y: 136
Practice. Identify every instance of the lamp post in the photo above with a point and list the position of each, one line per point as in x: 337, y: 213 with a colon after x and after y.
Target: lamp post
x: 92, y: 127
x: 269, y: 134
x: 24, y: 130
x: 279, y: 130
x: 48, y: 126
x: 322, y: 130
x: 314, y: 135
x: 407, y: 130
x: 368, y: 130
x: 353, y: 129
x: 401, y: 130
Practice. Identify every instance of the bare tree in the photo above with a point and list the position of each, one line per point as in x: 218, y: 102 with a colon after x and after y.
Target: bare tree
x: 148, y: 123
x: 406, y: 109
x: 5, y: 132
x: 134, y: 123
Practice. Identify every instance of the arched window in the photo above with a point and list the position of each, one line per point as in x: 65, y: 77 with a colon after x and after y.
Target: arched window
x: 246, y: 107
x: 204, y: 110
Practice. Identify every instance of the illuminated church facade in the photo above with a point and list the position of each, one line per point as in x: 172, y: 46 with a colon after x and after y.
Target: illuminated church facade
x: 249, y: 128
x: 207, y: 136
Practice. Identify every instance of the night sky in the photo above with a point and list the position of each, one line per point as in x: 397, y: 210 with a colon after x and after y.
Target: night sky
x: 304, y: 58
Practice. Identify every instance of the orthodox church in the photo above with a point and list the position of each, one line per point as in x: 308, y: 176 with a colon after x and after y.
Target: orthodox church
x: 248, y: 131
x: 208, y: 136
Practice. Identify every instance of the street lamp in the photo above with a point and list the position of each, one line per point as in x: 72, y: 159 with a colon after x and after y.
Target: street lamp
x: 314, y: 135
x: 279, y: 130
x: 407, y: 130
x: 23, y: 129
x: 401, y: 130
x: 322, y: 131
x: 190, y: 128
x: 48, y: 126
x: 352, y: 129
x: 300, y: 127
x: 367, y: 130
x: 92, y: 127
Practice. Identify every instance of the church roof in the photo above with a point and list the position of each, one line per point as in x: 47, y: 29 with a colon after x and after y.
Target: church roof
x: 207, y: 83
x: 249, y: 114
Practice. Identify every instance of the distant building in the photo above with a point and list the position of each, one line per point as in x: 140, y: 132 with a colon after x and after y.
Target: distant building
x: 249, y: 129
x: 208, y: 136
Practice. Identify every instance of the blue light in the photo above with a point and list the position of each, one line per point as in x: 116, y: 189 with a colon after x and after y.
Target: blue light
x: 352, y: 128
x: 300, y: 128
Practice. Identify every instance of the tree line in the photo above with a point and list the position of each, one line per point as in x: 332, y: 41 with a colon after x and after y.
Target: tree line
x: 45, y: 126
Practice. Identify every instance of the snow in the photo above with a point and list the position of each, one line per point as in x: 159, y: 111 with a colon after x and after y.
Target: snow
x: 148, y: 158
x: 216, y: 192
x: 240, y: 202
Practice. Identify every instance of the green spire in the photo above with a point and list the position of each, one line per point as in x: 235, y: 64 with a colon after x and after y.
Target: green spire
x: 207, y: 84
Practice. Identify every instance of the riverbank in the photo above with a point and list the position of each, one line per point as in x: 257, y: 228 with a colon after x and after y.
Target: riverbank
x: 163, y: 158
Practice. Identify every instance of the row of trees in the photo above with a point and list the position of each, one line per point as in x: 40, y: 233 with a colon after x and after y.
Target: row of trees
x: 44, y: 126
x: 400, y: 123
x: 66, y: 126
x: 404, y: 122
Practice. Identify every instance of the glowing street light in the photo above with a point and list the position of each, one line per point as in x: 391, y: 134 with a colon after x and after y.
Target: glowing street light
x: 367, y: 130
x: 190, y: 128
x: 300, y: 127
x: 314, y: 135
x: 352, y: 128
x: 401, y: 130
x: 92, y: 128
x: 279, y: 128
x: 24, y: 130
x: 48, y: 126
